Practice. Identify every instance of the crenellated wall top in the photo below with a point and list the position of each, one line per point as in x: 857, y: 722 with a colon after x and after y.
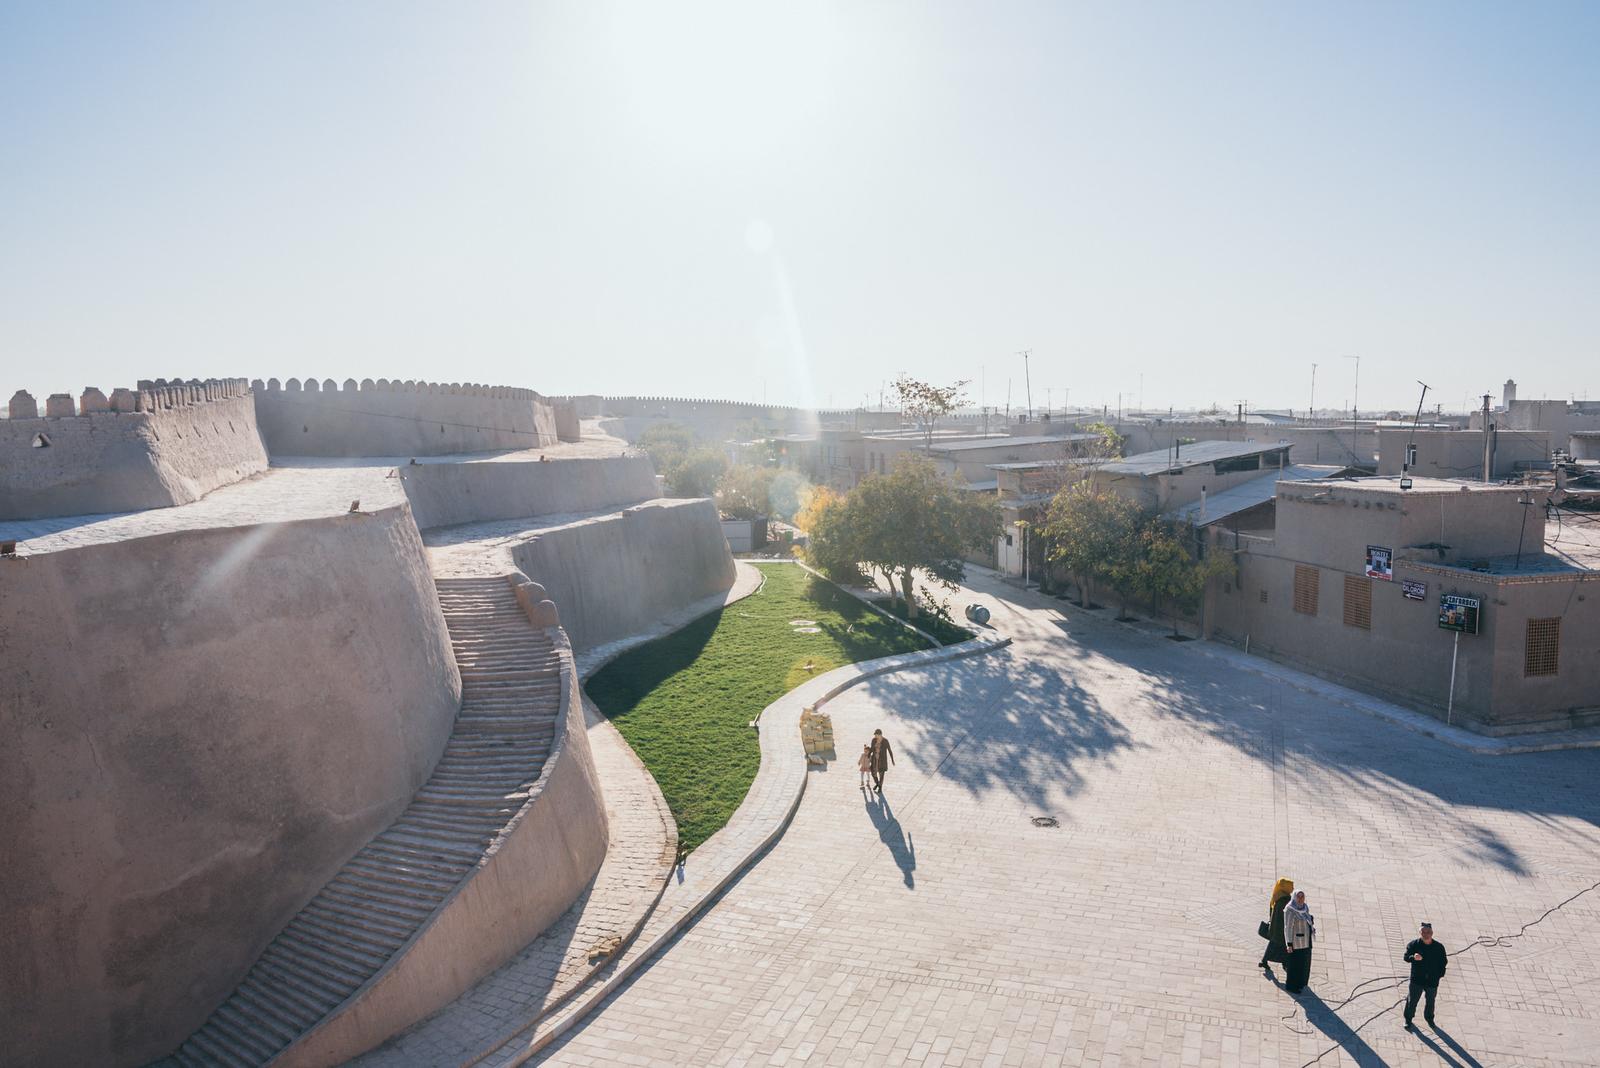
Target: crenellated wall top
x: 150, y: 395
x: 386, y: 385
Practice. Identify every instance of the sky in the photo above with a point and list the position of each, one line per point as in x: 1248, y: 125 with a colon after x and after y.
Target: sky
x: 1167, y: 204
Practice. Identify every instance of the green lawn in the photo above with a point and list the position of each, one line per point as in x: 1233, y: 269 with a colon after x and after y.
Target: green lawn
x: 684, y: 701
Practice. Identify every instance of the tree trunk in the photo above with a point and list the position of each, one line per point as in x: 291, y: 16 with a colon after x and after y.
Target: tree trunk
x: 906, y: 579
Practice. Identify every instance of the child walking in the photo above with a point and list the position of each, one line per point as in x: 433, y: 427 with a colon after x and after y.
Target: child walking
x: 865, y: 764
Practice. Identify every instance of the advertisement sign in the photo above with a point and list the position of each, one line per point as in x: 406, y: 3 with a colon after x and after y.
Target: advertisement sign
x: 1459, y: 613
x: 1380, y: 563
x: 1414, y: 590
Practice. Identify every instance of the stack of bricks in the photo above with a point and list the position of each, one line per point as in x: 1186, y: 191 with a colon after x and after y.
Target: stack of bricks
x: 816, y: 734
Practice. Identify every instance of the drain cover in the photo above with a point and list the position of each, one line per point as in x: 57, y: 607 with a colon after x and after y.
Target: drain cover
x: 1046, y: 821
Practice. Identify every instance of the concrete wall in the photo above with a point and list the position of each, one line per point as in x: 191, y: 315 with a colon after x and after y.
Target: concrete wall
x: 196, y: 730
x: 447, y: 494
x: 529, y: 877
x: 568, y: 427
x: 387, y: 418
x: 1459, y: 453
x: 615, y: 575
x: 159, y: 447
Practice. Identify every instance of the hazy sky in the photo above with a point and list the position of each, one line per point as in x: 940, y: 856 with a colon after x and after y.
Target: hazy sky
x: 802, y: 200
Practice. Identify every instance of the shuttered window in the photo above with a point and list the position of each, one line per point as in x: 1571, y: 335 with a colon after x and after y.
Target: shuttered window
x: 1543, y: 651
x: 1358, y: 602
x: 1307, y: 583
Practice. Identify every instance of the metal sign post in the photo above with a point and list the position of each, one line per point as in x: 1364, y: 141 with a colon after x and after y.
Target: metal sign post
x: 1450, y: 708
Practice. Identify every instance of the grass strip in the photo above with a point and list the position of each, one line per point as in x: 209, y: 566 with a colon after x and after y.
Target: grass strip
x: 684, y: 701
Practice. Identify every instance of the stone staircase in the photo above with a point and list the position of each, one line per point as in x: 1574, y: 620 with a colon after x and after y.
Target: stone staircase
x: 387, y: 892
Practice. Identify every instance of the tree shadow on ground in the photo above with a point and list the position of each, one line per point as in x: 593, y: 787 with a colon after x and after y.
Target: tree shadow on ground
x: 1038, y: 725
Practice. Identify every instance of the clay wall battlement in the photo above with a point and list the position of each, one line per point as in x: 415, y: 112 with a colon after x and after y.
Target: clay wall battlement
x: 394, y: 417
x: 153, y: 446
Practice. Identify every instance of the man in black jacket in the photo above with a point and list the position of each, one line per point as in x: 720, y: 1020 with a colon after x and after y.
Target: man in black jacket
x: 1428, y: 962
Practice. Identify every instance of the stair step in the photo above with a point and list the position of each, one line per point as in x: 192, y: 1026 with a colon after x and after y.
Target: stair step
x: 306, y: 986
x: 218, y: 1051
x: 338, y: 915
x: 248, y: 1033
x: 299, y: 1009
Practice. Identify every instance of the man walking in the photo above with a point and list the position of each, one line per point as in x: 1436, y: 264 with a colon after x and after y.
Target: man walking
x: 1428, y: 962
x: 882, y: 757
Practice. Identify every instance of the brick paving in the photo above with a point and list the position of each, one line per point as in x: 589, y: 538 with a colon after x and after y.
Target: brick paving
x: 941, y: 927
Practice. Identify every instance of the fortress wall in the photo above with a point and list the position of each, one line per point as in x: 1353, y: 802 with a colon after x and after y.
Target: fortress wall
x: 447, y: 494
x: 196, y: 730
x: 153, y: 447
x: 387, y: 418
x: 616, y: 575
x: 530, y: 876
x: 568, y: 427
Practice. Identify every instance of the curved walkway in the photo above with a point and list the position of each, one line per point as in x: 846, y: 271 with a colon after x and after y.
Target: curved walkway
x: 941, y: 926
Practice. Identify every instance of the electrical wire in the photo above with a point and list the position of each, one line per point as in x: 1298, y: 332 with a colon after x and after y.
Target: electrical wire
x: 1500, y: 941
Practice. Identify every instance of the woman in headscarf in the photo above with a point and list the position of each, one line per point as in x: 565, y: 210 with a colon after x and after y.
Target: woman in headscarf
x: 1276, y: 902
x: 1299, y: 929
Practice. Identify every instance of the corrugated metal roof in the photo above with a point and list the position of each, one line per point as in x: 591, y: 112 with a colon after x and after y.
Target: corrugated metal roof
x: 1010, y: 442
x: 1249, y: 494
x: 1194, y: 455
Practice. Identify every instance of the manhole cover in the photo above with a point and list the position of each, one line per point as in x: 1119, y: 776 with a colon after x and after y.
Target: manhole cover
x: 1046, y: 821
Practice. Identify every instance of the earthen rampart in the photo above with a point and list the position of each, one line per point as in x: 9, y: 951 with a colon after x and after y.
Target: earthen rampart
x: 618, y: 574
x: 444, y: 495
x: 154, y: 446
x: 399, y: 418
x: 200, y: 727
x: 538, y: 866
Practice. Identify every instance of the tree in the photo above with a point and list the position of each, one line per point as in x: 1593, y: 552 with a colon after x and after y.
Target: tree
x: 787, y: 493
x: 697, y: 474
x: 744, y: 491
x: 926, y: 402
x: 832, y: 546
x: 1092, y: 534
x: 690, y: 468
x: 915, y: 519
x: 1165, y: 572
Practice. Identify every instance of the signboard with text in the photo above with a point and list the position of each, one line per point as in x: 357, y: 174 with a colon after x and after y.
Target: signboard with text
x: 1413, y: 590
x: 1380, y: 563
x: 1459, y: 614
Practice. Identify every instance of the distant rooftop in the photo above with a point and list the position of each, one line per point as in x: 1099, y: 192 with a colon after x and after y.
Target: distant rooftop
x: 1197, y: 454
x: 1421, y: 484
x: 1249, y: 494
x: 1008, y: 441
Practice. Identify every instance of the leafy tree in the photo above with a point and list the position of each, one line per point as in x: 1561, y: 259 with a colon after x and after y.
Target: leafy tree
x: 1164, y: 571
x: 1093, y: 535
x: 926, y: 402
x: 690, y: 468
x: 697, y: 474
x: 744, y: 491
x: 914, y: 518
x: 786, y: 493
x: 832, y: 545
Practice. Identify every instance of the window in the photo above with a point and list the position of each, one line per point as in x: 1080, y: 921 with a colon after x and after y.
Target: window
x: 1543, y: 651
x: 1358, y: 602
x: 1263, y: 596
x: 1307, y: 583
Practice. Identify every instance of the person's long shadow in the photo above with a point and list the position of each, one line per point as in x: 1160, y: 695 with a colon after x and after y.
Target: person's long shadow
x: 1462, y: 1059
x: 1341, y: 1034
x: 900, y: 845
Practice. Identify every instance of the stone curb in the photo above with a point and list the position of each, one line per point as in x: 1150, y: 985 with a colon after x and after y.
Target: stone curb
x: 787, y: 758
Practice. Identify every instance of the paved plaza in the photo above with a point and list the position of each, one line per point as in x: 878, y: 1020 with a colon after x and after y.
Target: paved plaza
x: 941, y: 926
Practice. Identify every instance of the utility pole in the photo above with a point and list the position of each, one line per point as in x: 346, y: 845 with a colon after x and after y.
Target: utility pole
x: 1311, y: 412
x: 1411, y: 446
x: 1027, y: 378
x: 1488, y: 443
